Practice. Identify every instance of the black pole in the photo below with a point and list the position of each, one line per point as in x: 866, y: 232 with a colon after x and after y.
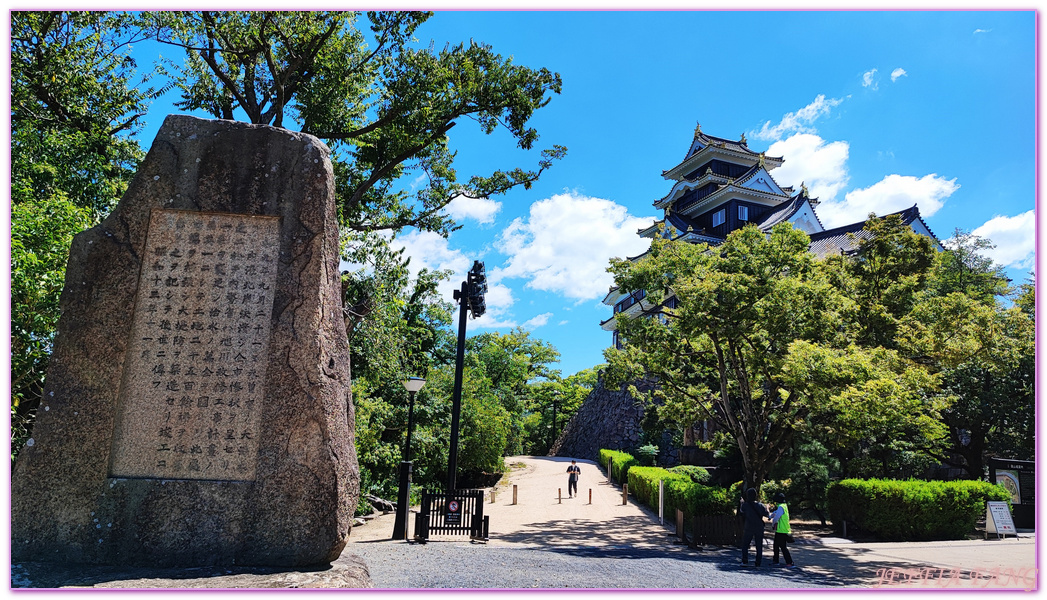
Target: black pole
x: 403, y: 500
x: 456, y: 396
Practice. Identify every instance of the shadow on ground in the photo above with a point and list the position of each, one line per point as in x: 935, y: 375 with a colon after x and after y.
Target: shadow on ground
x: 617, y: 538
x: 348, y: 571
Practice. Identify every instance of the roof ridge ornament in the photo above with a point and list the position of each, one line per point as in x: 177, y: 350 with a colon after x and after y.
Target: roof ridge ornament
x: 803, y: 190
x: 743, y: 140
x: 761, y: 154
x: 697, y: 129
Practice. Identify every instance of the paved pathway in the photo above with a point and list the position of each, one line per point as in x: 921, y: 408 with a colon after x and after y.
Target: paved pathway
x: 550, y: 540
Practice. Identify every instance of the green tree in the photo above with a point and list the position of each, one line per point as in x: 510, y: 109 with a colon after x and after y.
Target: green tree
x: 398, y: 327
x: 550, y: 404
x: 385, y: 108
x: 41, y: 232
x: 74, y: 107
x: 74, y: 111
x: 965, y: 269
x: 892, y: 264
x: 985, y: 355
x: 1025, y: 297
x: 721, y: 353
x: 511, y: 362
x: 875, y: 410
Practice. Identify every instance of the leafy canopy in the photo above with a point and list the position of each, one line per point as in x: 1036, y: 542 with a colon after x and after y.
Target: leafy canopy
x: 383, y: 106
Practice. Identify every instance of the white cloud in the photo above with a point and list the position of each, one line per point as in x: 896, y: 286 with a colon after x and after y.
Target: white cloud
x: 499, y: 298
x: 432, y: 251
x: 564, y: 244
x: 564, y: 322
x: 809, y: 159
x: 977, y: 31
x: 800, y: 121
x: 899, y: 72
x: 481, y: 210
x: 1015, y: 239
x: 868, y: 79
x: 537, y: 321
x: 891, y: 194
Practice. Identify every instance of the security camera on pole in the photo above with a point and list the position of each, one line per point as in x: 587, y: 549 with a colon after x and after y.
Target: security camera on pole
x: 471, y: 299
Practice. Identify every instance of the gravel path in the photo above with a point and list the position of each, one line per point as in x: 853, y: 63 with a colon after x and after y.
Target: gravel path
x: 473, y: 565
x: 548, y: 540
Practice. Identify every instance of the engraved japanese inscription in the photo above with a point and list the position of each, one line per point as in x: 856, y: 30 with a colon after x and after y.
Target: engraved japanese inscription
x: 193, y: 381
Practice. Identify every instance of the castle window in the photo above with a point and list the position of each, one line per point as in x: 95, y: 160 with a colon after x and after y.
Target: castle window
x: 743, y: 213
x: 719, y: 216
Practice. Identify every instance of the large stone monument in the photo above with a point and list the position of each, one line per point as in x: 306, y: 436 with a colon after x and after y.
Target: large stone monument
x: 197, y: 409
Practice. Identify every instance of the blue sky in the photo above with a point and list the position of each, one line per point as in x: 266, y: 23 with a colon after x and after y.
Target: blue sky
x: 875, y: 111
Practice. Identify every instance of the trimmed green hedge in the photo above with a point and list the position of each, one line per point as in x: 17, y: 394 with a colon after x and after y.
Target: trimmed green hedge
x: 680, y: 491
x: 643, y: 483
x: 620, y: 465
x: 912, y: 510
x: 696, y: 473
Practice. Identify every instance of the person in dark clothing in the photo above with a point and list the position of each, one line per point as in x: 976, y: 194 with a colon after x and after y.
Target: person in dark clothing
x: 753, y: 514
x: 573, y: 472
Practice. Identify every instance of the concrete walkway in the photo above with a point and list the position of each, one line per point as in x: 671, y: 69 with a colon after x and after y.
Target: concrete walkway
x: 545, y: 518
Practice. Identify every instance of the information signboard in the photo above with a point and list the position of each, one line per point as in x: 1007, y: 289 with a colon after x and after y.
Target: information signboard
x: 1018, y: 477
x: 998, y: 520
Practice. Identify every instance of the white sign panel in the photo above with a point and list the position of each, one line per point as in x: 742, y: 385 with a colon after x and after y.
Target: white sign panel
x: 998, y: 519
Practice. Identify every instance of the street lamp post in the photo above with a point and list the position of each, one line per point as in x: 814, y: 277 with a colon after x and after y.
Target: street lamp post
x: 403, y: 501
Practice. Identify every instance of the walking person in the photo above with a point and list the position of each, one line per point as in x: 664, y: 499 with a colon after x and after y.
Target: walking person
x: 753, y: 514
x: 782, y: 530
x: 573, y: 473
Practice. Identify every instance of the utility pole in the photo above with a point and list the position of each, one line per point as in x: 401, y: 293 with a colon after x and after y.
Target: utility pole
x: 471, y: 299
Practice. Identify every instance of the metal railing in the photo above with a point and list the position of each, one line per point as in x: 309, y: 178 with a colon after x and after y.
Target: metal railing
x: 455, y: 513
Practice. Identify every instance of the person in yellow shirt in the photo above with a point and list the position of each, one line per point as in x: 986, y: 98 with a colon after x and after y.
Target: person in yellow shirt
x: 782, y: 530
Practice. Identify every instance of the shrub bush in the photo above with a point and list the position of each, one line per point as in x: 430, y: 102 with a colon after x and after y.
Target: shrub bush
x: 643, y: 482
x: 911, y: 510
x: 620, y: 464
x: 772, y: 487
x: 647, y: 454
x: 696, y: 473
x: 681, y: 492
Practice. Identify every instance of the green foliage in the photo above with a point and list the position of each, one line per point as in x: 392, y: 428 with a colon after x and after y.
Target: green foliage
x: 620, y: 463
x: 681, y: 492
x: 73, y: 111
x: 984, y: 354
x: 809, y: 467
x: 549, y: 404
x: 890, y: 267
x: 696, y: 473
x: 869, y: 402
x: 966, y: 270
x: 912, y: 510
x: 385, y: 108
x: 647, y: 454
x: 1025, y: 297
x: 643, y: 483
x: 74, y: 107
x: 720, y: 354
x: 363, y: 507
